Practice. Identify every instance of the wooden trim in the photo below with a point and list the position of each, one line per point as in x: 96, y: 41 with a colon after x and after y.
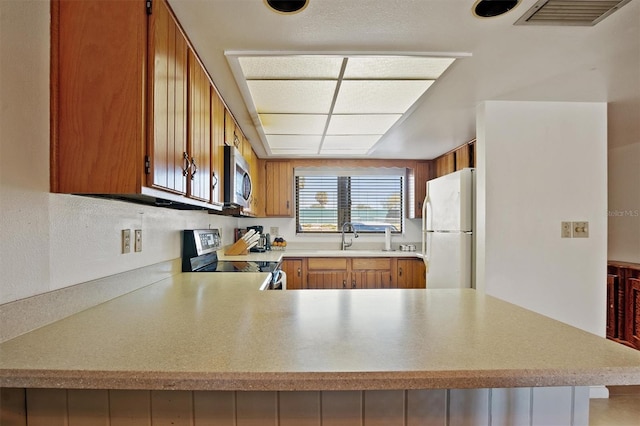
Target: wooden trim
x: 54, y: 77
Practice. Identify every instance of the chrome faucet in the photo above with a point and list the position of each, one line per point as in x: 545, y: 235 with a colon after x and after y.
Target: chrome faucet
x: 355, y: 235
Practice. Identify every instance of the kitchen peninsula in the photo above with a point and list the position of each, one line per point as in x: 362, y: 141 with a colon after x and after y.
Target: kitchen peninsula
x: 370, y: 355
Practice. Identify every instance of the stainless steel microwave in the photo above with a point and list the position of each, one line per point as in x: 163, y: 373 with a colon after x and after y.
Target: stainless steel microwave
x: 237, y: 182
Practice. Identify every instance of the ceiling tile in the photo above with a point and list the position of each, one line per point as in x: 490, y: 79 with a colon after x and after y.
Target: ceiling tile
x: 290, y: 67
x: 294, y: 141
x: 379, y: 96
x: 292, y: 96
x: 396, y: 67
x: 349, y: 142
x: 358, y: 124
x: 293, y: 124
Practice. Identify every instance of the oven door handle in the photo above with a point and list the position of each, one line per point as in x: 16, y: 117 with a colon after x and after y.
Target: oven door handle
x: 280, y: 280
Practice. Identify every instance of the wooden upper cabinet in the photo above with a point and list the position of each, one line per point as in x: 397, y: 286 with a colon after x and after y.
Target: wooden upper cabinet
x: 231, y: 134
x: 279, y: 188
x: 217, y: 148
x: 199, y: 148
x: 421, y: 173
x: 97, y: 96
x: 170, y: 162
x: 445, y: 164
x: 465, y: 156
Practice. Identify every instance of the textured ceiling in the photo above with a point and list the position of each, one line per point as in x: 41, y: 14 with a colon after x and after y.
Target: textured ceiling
x: 600, y: 63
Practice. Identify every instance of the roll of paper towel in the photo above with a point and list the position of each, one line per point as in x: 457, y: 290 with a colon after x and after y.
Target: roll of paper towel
x: 387, y: 238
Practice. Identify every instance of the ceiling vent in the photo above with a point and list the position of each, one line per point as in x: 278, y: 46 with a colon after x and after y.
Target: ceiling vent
x: 570, y: 12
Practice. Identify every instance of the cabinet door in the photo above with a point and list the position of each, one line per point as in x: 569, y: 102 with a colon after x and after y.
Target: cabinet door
x: 278, y: 188
x: 293, y: 269
x: 168, y: 101
x: 612, y: 308
x: 231, y: 136
x: 411, y: 273
x: 371, y: 272
x: 199, y: 149
x: 97, y: 96
x: 327, y: 273
x: 463, y: 157
x: 633, y: 308
x: 445, y: 164
x: 422, y: 174
x: 217, y: 148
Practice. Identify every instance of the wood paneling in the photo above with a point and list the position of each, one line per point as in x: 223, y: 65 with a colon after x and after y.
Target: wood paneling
x: 299, y: 409
x: 13, y: 407
x: 445, y: 164
x: 130, y: 407
x: 422, y: 173
x: 532, y: 406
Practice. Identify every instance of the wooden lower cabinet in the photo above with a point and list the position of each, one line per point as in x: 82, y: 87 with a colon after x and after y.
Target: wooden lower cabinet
x: 326, y: 273
x: 411, y: 273
x: 623, y: 303
x: 371, y: 272
x: 293, y: 269
x: 354, y: 273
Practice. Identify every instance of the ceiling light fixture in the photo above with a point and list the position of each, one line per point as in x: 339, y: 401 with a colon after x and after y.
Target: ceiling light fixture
x: 491, y: 8
x: 287, y: 6
x: 336, y: 103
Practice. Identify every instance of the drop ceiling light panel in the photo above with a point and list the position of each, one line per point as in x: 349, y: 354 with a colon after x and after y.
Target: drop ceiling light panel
x: 295, y: 141
x: 330, y: 104
x: 292, y: 96
x: 360, y: 143
x: 570, y: 12
x: 358, y: 124
x: 291, y: 67
x: 379, y: 96
x: 395, y: 67
x: 293, y: 124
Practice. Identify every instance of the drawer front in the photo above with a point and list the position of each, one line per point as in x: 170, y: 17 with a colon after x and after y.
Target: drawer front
x: 371, y: 263
x: 327, y: 263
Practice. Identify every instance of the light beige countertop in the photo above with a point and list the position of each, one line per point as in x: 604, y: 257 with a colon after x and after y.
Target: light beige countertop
x: 217, y: 331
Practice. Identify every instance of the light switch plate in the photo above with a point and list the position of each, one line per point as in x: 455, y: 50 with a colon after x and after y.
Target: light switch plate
x: 138, y: 240
x: 566, y: 230
x: 580, y: 229
x: 126, y: 241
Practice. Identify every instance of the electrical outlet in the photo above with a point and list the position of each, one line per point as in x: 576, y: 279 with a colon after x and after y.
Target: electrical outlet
x: 580, y: 229
x: 126, y: 241
x: 138, y: 240
x: 566, y: 230
x: 274, y: 231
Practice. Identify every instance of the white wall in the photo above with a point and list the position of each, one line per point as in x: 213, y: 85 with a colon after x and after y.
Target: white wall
x: 624, y: 202
x: 49, y: 241
x: 541, y: 163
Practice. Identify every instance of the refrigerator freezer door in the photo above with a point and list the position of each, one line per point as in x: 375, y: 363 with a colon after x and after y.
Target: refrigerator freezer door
x: 450, y: 202
x: 449, y: 259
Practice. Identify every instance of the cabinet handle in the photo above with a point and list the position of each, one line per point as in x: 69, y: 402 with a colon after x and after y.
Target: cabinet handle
x: 353, y: 283
x: 187, y: 164
x: 195, y: 168
x: 344, y: 283
x: 299, y: 272
x: 400, y: 272
x: 287, y: 204
x: 214, y: 178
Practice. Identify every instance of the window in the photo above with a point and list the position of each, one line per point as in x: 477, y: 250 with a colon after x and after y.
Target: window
x: 370, y: 199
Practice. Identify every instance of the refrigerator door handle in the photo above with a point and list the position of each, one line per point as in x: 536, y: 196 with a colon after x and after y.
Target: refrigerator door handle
x: 424, y: 220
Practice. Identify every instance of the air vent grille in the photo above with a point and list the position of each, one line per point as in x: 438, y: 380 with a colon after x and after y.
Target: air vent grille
x: 570, y: 12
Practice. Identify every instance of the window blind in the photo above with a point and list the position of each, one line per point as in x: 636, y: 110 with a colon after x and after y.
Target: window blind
x: 370, y: 203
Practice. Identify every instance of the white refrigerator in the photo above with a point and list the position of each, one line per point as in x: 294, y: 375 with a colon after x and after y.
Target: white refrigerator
x: 447, y: 230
